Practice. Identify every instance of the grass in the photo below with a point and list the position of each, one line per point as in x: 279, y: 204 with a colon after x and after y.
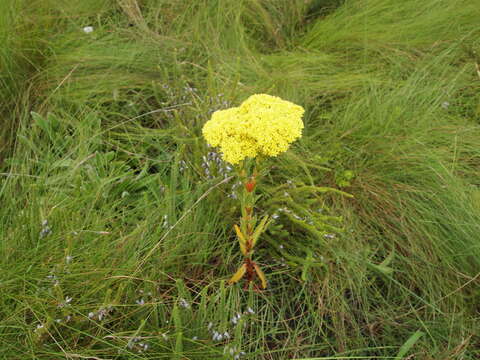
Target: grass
x: 105, y: 201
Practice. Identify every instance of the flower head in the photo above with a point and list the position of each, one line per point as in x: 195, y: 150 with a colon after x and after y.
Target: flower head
x: 261, y: 125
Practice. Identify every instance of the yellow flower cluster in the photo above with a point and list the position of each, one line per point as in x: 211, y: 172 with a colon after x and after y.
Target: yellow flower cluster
x: 261, y: 125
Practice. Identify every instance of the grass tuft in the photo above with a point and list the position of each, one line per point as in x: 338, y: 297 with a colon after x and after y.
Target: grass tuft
x: 115, y: 241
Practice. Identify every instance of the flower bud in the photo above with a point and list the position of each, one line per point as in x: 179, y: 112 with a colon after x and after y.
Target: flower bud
x: 250, y: 185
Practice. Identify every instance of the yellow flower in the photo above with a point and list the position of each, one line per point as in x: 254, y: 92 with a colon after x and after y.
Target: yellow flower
x: 261, y: 125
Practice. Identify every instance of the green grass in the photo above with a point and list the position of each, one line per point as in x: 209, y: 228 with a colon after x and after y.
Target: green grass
x: 96, y: 132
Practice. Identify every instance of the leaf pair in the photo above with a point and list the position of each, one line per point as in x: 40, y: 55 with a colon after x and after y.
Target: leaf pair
x: 243, y: 269
x: 245, y: 246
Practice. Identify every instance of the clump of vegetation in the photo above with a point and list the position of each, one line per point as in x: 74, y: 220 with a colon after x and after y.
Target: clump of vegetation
x: 115, y: 223
x: 262, y: 125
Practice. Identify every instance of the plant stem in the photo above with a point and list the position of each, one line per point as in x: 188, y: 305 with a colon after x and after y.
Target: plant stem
x: 247, y: 219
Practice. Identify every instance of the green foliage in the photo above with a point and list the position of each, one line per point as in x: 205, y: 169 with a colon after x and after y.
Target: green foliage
x: 113, y: 234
